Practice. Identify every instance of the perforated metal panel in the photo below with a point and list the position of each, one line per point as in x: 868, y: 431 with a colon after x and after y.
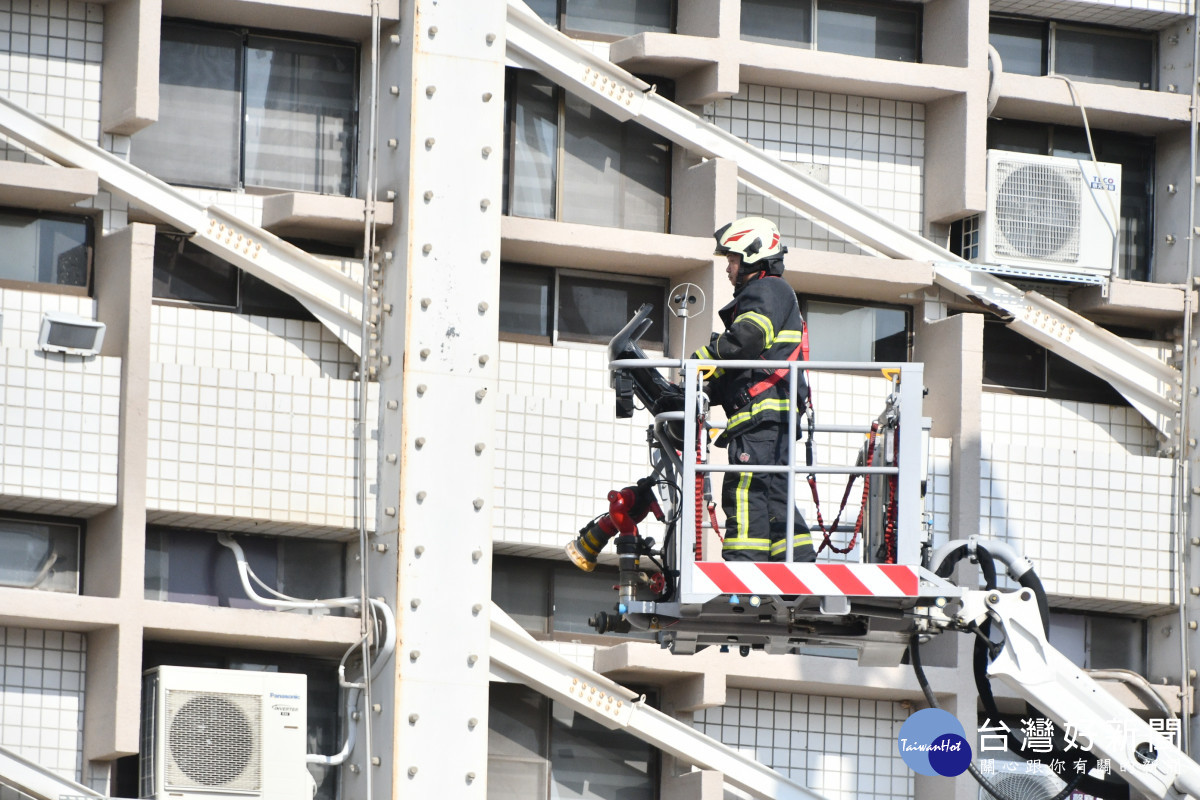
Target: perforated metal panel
x: 213, y: 741
x: 1037, y: 211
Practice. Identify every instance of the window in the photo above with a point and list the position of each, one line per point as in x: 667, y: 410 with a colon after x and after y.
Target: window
x: 872, y: 29
x: 1013, y: 362
x: 46, y: 249
x: 1098, y: 641
x: 542, y: 304
x: 570, y: 161
x: 245, y: 109
x: 553, y: 598
x: 186, y: 566
x: 840, y: 331
x: 539, y: 750
x: 183, y: 271
x: 1088, y: 53
x: 39, y: 555
x: 1135, y: 154
x: 609, y: 18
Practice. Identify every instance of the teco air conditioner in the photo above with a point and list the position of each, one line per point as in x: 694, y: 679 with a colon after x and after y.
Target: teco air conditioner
x: 1050, y: 217
x: 214, y: 733
x: 67, y: 333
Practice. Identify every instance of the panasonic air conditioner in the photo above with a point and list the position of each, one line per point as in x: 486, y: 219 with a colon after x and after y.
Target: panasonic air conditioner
x: 216, y: 733
x: 1049, y: 217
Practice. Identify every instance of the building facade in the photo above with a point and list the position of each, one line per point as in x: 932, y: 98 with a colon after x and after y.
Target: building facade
x: 440, y: 456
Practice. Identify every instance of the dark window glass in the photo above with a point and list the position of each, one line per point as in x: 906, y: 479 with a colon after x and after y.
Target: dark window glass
x: 777, y: 22
x: 891, y: 31
x: 848, y: 332
x: 615, y: 174
x: 39, y: 555
x: 517, y: 743
x: 525, y: 300
x: 522, y: 587
x: 1012, y: 361
x: 45, y: 249
x: 618, y: 17
x: 578, y: 307
x: 1021, y: 45
x: 594, y: 309
x: 183, y: 271
x: 252, y: 109
x: 1100, y: 56
x: 1135, y: 154
x: 186, y: 566
x: 546, y: 9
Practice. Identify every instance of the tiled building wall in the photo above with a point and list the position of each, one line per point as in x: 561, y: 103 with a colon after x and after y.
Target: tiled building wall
x: 1078, y: 489
x: 870, y: 150
x: 41, y: 697
x: 841, y: 748
x: 249, y: 445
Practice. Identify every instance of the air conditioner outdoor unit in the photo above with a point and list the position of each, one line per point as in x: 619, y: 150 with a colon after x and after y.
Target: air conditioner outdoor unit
x: 1050, y: 217
x: 71, y: 334
x: 216, y: 733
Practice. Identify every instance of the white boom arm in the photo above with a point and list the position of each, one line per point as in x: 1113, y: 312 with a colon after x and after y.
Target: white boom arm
x: 1066, y: 694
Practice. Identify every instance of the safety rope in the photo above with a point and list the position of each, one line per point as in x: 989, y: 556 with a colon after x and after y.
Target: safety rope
x: 827, y: 533
x: 699, y: 546
x: 889, y: 530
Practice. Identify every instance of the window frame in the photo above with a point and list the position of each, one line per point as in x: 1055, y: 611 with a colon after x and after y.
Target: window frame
x: 80, y: 527
x: 813, y: 40
x: 560, y: 22
x: 89, y: 248
x: 1049, y: 45
x: 247, y: 34
x: 907, y: 311
x: 560, y: 189
x: 555, y: 337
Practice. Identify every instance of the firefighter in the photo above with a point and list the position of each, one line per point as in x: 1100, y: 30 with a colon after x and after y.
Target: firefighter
x: 762, y: 321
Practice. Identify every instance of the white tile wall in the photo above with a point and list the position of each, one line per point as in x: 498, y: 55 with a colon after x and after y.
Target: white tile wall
x: 254, y: 446
x: 194, y: 337
x: 51, y: 52
x: 1078, y: 489
x: 874, y: 151
x: 1148, y: 14
x: 937, y: 492
x: 840, y: 748
x: 41, y: 697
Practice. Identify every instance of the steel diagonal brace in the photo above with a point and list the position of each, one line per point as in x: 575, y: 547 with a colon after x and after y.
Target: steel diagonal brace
x: 1034, y: 670
x: 1146, y: 382
x: 333, y: 297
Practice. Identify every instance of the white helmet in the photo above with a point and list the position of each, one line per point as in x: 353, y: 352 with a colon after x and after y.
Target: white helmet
x: 755, y: 239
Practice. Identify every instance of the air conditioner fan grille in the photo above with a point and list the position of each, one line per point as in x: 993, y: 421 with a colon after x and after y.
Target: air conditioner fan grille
x: 1037, y: 212
x: 213, y: 740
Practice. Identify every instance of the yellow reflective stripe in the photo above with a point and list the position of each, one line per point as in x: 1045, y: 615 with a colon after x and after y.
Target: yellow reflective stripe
x: 790, y: 337
x: 770, y: 404
x: 763, y: 322
x: 798, y: 541
x: 742, y: 500
x: 745, y: 544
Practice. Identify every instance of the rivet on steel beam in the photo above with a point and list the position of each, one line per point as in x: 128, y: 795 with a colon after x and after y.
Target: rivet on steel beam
x: 412, y: 718
x: 487, y: 97
x: 421, y: 389
x: 391, y: 458
x: 419, y: 550
x: 485, y: 255
x: 421, y: 497
x: 479, y: 448
x: 1195, y: 590
x: 429, y: 91
x: 387, y: 360
x: 412, y: 772
x: 483, y: 359
x: 415, y: 603
x: 424, y: 353
x: 429, y: 143
x: 426, y: 248
x: 487, y: 151
x: 377, y: 708
x: 472, y: 660
x: 390, y: 195
x: 428, y: 196
x: 390, y: 511
x: 393, y: 143
x: 483, y: 306
x: 490, y: 38
x: 1196, y: 541
x: 475, y: 609
x: 432, y: 31
x: 470, y: 777
x: 425, y: 301
x: 392, y: 405
x: 482, y: 393
x: 354, y: 768
x: 420, y: 442
x: 394, y: 38
x: 376, y: 761
x: 381, y: 548
x: 476, y: 555
x: 471, y: 723
x: 478, y: 503
x: 387, y: 308
x: 484, y: 203
x: 414, y: 655
x: 1192, y: 625
x: 395, y: 90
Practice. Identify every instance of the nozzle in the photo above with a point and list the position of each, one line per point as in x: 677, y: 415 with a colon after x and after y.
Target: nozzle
x: 579, y: 556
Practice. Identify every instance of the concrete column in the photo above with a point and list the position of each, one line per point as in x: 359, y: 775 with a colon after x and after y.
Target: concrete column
x: 113, y: 692
x: 129, y: 96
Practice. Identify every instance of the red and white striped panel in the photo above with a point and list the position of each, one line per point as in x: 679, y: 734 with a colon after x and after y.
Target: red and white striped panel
x: 857, y: 580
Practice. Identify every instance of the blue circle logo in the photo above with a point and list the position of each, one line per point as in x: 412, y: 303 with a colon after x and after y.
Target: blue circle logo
x: 933, y: 742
